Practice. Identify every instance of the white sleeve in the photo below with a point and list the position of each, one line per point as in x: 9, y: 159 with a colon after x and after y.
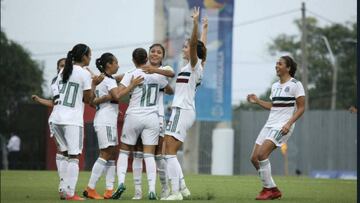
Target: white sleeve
x: 87, y: 80
x: 168, y: 68
x: 198, y: 70
x: 162, y: 80
x: 270, y: 96
x: 299, y: 90
x: 126, y: 79
x: 110, y: 84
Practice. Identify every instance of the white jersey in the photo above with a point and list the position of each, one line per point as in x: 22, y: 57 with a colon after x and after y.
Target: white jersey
x: 55, y: 93
x: 283, y: 97
x: 186, y: 84
x: 145, y: 98
x: 161, y: 93
x: 106, y: 113
x: 70, y: 110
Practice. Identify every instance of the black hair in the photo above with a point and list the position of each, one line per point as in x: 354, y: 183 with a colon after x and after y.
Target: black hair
x: 58, y: 63
x: 103, y: 60
x: 75, y: 55
x: 139, y: 56
x: 200, y: 49
x: 290, y: 63
x: 162, y: 48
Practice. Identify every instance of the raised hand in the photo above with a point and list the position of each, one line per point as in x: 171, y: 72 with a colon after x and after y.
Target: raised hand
x: 34, y: 97
x: 196, y: 13
x: 204, y: 22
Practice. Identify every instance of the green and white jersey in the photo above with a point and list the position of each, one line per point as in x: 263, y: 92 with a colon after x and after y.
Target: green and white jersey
x: 106, y: 113
x: 161, y: 93
x: 70, y: 109
x: 145, y: 98
x: 283, y: 97
x: 186, y: 83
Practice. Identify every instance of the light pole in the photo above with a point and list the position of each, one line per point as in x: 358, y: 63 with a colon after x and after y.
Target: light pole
x: 335, y: 74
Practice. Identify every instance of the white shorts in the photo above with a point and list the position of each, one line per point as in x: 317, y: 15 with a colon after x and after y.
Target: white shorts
x: 69, y: 138
x: 273, y: 134
x: 180, y: 122
x: 145, y: 126
x: 162, y: 125
x: 107, y: 136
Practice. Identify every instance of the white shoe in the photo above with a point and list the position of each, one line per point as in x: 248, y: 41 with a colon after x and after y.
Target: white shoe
x: 138, y: 195
x: 185, y: 192
x: 175, y: 196
x: 165, y: 192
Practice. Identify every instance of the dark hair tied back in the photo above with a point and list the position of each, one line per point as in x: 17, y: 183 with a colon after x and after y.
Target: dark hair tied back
x: 75, y: 55
x: 103, y: 60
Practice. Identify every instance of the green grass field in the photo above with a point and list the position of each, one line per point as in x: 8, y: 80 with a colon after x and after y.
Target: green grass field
x: 41, y: 186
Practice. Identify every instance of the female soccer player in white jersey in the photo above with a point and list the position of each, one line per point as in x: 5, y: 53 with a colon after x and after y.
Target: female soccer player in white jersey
x: 286, y: 106
x: 75, y: 86
x: 61, y: 157
x: 141, y: 119
x: 105, y: 123
x: 183, y: 107
x: 156, y: 56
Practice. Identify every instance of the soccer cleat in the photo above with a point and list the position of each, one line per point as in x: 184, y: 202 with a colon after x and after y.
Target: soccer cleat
x: 185, y: 192
x: 276, y: 194
x: 174, y: 196
x: 265, y: 194
x: 138, y: 195
x: 165, y: 192
x: 152, y: 196
x: 108, y: 194
x: 118, y: 192
x: 91, y: 194
x: 75, y: 197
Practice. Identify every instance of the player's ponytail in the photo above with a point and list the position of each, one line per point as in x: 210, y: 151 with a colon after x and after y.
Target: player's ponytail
x: 291, y: 64
x: 68, y: 67
x: 103, y: 60
x: 75, y: 55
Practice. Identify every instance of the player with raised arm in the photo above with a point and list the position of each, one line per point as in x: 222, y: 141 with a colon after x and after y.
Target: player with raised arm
x: 286, y: 106
x: 183, y: 108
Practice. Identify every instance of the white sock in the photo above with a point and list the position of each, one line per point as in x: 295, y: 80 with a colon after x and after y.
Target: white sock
x: 110, y: 171
x: 96, y: 172
x: 122, y: 165
x: 63, y: 170
x: 173, y: 170
x: 137, y: 167
x: 72, y: 175
x: 61, y: 164
x: 265, y: 174
x: 150, y: 171
x: 59, y: 158
x: 161, y: 168
x: 182, y: 180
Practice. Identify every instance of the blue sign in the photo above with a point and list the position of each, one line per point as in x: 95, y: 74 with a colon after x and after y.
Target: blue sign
x: 213, y: 96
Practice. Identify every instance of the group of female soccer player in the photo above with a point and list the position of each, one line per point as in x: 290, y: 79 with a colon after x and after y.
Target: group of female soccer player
x: 144, y: 133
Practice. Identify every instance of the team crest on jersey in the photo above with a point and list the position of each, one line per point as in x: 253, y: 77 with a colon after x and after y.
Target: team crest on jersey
x: 287, y: 89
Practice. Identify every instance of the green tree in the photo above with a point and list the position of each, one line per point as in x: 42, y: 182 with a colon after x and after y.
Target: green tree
x: 21, y: 77
x: 342, y: 41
